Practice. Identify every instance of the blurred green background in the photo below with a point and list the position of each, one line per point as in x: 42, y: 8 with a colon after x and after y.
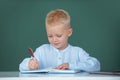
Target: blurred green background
x: 95, y: 23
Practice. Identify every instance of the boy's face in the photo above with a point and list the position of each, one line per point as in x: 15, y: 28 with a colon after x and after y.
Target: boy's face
x: 58, y: 35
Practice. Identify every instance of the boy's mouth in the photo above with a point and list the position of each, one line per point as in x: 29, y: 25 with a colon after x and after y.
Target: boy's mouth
x: 55, y: 44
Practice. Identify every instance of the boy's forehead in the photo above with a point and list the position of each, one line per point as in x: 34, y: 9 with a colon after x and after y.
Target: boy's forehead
x: 60, y: 26
x: 55, y: 28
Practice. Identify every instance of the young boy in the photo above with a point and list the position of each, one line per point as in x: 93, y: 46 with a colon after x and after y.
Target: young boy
x: 59, y: 54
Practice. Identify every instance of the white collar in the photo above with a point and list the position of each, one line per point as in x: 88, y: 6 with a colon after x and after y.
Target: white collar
x: 55, y: 49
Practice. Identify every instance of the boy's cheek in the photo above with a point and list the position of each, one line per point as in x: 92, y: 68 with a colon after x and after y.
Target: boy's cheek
x: 50, y: 41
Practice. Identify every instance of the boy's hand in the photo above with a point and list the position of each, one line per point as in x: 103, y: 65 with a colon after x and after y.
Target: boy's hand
x: 63, y: 66
x: 33, y: 64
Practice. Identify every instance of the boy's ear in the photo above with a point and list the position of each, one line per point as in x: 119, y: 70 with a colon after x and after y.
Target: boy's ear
x: 69, y: 32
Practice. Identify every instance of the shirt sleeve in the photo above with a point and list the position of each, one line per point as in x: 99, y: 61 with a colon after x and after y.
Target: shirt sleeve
x: 85, y: 62
x: 24, y: 64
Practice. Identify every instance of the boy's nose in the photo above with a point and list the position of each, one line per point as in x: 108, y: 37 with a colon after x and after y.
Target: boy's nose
x: 54, y: 39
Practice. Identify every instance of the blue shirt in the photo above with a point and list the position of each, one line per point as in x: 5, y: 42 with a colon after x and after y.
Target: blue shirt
x: 49, y: 56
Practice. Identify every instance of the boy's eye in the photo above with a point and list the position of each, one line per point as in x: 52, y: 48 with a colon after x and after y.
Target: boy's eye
x: 49, y: 36
x: 59, y: 35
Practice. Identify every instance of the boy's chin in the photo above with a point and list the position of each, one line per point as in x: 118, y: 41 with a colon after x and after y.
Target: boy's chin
x: 57, y: 47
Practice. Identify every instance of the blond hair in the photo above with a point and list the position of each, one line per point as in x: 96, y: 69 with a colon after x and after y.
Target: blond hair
x: 58, y: 16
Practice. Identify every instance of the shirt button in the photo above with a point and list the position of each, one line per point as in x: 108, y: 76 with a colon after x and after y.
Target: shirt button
x: 59, y: 58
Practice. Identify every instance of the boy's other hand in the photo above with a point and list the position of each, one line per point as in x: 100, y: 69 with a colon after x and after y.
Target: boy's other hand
x: 33, y: 64
x: 63, y: 66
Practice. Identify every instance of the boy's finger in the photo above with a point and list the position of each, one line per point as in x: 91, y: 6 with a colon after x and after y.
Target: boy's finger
x: 59, y: 67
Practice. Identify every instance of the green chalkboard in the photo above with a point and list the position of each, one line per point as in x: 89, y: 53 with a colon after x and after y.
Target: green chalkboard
x: 95, y: 23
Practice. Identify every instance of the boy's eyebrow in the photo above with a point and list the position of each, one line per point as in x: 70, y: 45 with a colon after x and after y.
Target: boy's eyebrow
x: 59, y: 34
x: 55, y: 34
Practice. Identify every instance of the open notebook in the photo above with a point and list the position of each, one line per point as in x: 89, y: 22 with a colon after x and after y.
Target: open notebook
x: 52, y: 71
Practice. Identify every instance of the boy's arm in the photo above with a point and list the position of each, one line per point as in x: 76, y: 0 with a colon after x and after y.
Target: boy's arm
x: 24, y: 64
x: 85, y: 62
x: 29, y: 64
x: 91, y: 64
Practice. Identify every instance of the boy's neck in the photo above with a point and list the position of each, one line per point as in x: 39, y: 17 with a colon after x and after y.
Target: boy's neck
x: 60, y: 50
x: 64, y: 47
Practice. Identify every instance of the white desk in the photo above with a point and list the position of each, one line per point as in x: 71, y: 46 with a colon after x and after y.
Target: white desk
x: 15, y: 75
